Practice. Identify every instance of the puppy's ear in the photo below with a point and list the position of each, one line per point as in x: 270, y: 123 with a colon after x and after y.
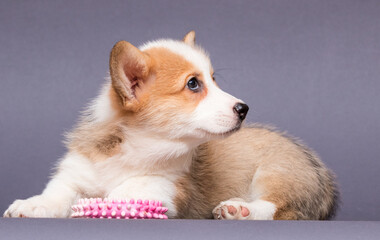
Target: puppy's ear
x: 189, y: 38
x: 129, y: 68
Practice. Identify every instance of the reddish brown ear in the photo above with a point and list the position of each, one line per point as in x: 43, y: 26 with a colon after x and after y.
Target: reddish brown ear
x: 129, y: 68
x: 189, y: 38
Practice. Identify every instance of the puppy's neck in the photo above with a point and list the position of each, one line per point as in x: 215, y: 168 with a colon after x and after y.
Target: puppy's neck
x: 152, y: 151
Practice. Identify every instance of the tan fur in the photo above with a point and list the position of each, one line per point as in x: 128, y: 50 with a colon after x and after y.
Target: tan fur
x: 96, y: 141
x: 300, y: 186
x: 171, y: 73
x: 129, y: 68
x: 190, y: 38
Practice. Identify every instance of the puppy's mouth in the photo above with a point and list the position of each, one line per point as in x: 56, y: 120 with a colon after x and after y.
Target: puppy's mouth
x: 235, y: 129
x: 227, y: 133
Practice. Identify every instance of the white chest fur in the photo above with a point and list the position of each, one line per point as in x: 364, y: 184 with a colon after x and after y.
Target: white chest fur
x: 140, y: 172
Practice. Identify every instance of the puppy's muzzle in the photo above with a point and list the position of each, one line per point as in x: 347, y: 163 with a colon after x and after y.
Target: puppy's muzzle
x: 241, y: 110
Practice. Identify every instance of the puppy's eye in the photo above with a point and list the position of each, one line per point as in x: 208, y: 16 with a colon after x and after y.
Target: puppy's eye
x: 193, y: 84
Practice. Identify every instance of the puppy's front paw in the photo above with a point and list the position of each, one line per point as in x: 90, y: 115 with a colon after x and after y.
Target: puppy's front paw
x: 35, y: 206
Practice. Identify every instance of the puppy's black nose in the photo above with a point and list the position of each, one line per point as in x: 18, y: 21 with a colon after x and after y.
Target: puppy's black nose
x: 241, y: 109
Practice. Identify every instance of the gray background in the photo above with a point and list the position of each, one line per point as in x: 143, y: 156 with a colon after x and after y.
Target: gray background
x: 309, y: 67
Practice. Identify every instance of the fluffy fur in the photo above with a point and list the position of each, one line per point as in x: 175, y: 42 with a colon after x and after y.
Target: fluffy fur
x: 149, y: 136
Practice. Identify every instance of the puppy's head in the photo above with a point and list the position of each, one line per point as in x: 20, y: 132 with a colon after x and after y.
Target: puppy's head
x: 167, y: 86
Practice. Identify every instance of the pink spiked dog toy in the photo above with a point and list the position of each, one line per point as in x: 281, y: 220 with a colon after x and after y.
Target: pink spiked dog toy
x: 119, y: 209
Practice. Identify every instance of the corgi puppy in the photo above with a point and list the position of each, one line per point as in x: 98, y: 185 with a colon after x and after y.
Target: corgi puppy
x: 162, y: 129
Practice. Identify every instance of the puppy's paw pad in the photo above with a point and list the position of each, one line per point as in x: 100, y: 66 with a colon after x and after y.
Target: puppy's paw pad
x: 244, y: 211
x: 231, y: 210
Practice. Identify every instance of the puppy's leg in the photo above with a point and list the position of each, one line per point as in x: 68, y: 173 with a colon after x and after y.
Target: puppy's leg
x: 55, y: 201
x: 59, y: 194
x: 148, y: 187
x: 283, y: 193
